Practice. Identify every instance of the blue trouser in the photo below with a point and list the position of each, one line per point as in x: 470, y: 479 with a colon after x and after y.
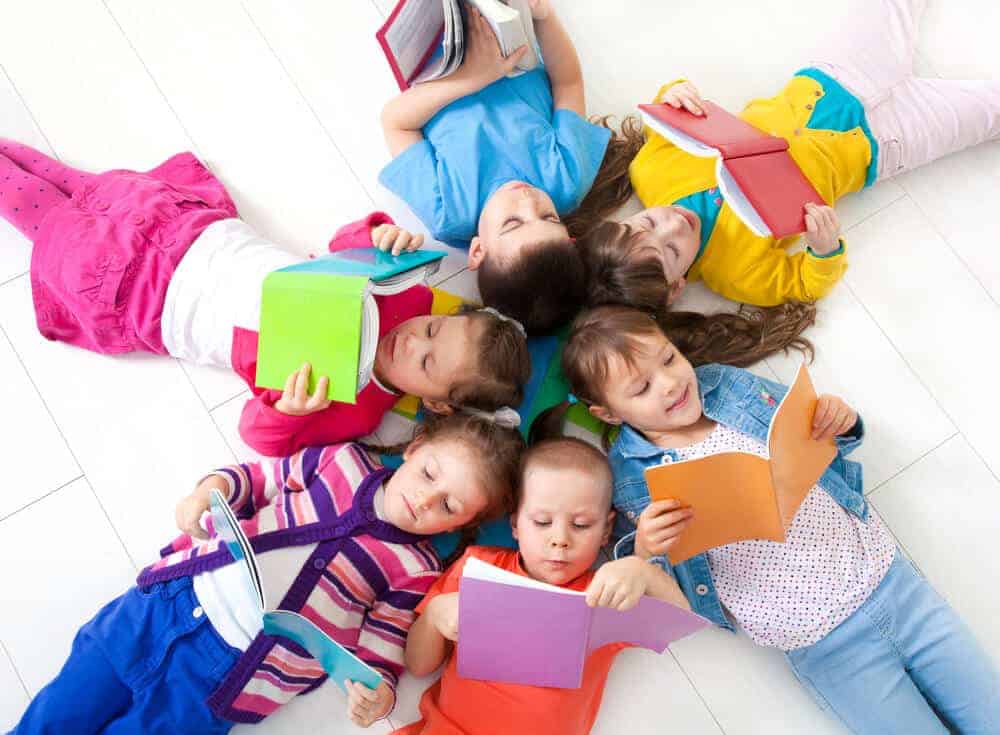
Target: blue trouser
x: 903, y: 662
x: 145, y: 664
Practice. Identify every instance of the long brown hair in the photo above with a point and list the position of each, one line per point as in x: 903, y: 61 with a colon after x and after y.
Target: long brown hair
x: 618, y: 272
x: 498, y: 452
x: 503, y: 365
x: 612, y: 186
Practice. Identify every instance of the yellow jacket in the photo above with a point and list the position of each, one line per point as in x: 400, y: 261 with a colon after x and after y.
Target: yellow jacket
x: 735, y: 262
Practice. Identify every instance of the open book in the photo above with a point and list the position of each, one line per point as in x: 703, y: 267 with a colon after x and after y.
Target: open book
x: 337, y: 661
x: 757, y: 176
x: 738, y: 496
x: 519, y: 630
x: 323, y: 311
x: 425, y: 39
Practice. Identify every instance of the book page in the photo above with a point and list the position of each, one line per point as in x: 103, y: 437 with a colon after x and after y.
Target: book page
x: 731, y: 495
x: 680, y: 139
x: 738, y: 201
x: 228, y: 528
x: 369, y: 340
x: 478, y: 569
x: 797, y: 460
x: 414, y: 33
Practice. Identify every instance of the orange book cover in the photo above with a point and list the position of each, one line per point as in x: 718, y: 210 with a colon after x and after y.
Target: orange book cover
x: 738, y: 496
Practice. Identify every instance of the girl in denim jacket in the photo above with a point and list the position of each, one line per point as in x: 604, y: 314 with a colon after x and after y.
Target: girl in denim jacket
x: 862, y: 630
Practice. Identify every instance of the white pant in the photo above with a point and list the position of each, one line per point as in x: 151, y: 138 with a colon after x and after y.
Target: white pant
x: 914, y: 120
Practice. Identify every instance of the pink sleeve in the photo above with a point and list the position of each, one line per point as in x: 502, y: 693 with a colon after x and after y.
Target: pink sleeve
x: 275, y: 434
x: 359, y: 234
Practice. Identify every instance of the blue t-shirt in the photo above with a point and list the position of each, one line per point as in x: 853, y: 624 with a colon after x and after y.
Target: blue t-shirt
x: 507, y: 131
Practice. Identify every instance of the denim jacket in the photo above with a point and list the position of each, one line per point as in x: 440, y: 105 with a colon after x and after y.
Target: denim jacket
x: 738, y: 399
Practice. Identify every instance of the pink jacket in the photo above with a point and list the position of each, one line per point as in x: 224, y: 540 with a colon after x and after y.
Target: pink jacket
x: 275, y: 434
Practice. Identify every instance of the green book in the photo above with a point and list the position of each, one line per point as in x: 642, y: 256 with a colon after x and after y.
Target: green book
x: 323, y: 312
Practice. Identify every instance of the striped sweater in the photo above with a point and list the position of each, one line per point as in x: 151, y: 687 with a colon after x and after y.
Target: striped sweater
x: 360, y: 584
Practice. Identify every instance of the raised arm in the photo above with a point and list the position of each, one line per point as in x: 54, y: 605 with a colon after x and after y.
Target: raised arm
x: 561, y: 61
x: 404, y: 116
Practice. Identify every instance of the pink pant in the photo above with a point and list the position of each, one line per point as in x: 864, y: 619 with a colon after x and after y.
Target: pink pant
x: 31, y: 183
x: 915, y: 120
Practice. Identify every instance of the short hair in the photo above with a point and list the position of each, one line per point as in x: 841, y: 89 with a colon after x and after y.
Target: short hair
x: 543, y: 288
x: 563, y: 452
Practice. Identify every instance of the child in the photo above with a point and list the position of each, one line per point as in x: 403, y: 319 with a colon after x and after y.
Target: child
x: 339, y: 538
x: 493, y: 163
x: 159, y: 262
x: 562, y: 520
x: 856, y: 116
x: 859, y: 626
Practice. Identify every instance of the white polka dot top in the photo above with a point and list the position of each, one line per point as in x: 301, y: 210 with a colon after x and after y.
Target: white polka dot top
x: 788, y: 595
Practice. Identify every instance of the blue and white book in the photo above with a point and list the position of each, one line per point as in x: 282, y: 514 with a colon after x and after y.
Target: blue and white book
x: 337, y: 661
x: 388, y: 273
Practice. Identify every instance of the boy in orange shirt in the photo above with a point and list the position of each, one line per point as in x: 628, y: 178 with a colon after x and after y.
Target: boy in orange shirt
x: 563, y: 518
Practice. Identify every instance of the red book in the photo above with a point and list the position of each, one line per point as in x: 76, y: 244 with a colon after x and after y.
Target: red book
x: 757, y: 176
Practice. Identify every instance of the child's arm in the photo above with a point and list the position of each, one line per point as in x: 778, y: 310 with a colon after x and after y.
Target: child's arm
x: 561, y: 61
x: 376, y: 230
x: 622, y: 583
x: 432, y: 635
x: 404, y: 116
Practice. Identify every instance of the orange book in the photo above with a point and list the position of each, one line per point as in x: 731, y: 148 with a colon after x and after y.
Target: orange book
x: 738, y: 496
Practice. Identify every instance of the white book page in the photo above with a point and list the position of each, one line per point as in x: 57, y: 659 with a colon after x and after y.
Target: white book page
x: 682, y: 140
x: 414, y: 31
x: 531, y: 58
x: 738, y: 201
x: 369, y: 338
x: 479, y: 569
x: 770, y: 428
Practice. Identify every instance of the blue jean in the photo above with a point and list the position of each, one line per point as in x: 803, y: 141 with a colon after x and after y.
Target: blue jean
x: 903, y: 662
x: 145, y: 664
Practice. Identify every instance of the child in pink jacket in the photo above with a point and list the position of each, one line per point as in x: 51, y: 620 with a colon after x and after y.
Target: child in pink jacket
x: 159, y: 262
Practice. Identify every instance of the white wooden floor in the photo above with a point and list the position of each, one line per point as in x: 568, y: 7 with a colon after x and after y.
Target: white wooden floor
x: 281, y: 99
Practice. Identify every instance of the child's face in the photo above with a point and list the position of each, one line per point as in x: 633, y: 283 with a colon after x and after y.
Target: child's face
x: 432, y: 491
x: 515, y: 216
x: 562, y: 522
x: 658, y: 394
x: 673, y: 232
x: 425, y: 356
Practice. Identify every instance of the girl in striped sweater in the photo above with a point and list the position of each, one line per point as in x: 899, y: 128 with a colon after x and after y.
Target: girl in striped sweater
x: 339, y: 539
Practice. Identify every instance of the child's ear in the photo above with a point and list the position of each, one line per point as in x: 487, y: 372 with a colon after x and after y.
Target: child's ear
x: 442, y: 407
x: 477, y: 253
x: 415, y: 442
x: 675, y: 290
x: 600, y: 412
x: 608, y: 528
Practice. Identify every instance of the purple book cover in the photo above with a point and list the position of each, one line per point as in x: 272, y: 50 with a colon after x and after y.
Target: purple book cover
x: 521, y: 631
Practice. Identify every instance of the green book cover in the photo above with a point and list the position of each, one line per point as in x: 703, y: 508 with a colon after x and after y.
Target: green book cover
x: 316, y: 318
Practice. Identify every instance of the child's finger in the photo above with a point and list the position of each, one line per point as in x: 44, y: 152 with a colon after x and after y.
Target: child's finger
x: 302, y: 382
x: 289, y: 388
x: 514, y: 58
x: 594, y: 591
x: 416, y: 243
x: 318, y: 398
x: 667, y: 520
x: 659, y: 506
x: 672, y: 532
x: 402, y: 241
x: 811, y: 223
x: 369, y: 695
x: 829, y: 419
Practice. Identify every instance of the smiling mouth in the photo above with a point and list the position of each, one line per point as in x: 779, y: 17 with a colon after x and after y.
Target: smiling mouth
x: 408, y: 506
x: 688, y: 217
x: 680, y: 402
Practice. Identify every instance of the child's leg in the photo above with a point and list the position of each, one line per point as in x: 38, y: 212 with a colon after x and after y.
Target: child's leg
x: 24, y: 198
x: 945, y: 660
x: 926, y: 119
x: 873, y: 51
x: 66, y: 178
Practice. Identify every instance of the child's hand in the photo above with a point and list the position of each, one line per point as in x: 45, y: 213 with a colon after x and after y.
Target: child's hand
x: 190, y: 509
x: 483, y: 62
x: 685, y: 95
x: 295, y: 399
x: 659, y: 526
x: 443, y: 610
x: 540, y: 9
x: 365, y: 705
x: 832, y: 418
x: 822, y: 229
x: 389, y: 238
x: 619, y: 584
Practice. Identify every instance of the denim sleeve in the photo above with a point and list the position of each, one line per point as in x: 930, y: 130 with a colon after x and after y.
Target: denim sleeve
x: 847, y: 443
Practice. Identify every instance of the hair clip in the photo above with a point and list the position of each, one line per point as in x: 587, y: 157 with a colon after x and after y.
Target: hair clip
x: 505, y: 318
x: 572, y: 400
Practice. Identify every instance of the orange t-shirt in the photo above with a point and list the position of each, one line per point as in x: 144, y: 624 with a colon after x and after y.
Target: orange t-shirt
x: 455, y: 705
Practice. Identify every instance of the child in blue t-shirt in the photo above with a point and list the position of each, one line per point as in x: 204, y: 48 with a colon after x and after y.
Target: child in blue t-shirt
x: 493, y: 163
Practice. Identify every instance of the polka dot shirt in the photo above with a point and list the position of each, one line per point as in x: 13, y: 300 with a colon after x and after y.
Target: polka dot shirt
x: 788, y: 595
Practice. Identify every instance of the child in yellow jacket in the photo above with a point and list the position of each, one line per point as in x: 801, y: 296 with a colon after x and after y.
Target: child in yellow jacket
x: 858, y: 117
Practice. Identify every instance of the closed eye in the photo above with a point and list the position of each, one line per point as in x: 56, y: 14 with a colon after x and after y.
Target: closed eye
x: 511, y: 224
x: 447, y: 508
x: 543, y: 524
x: 645, y: 387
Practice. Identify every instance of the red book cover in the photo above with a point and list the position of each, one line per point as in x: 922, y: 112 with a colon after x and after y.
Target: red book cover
x: 759, y: 179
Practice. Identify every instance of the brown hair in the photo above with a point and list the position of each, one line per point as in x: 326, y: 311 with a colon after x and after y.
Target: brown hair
x: 565, y: 451
x: 620, y: 273
x: 543, y: 288
x: 503, y: 365
x: 612, y: 186
x: 498, y: 451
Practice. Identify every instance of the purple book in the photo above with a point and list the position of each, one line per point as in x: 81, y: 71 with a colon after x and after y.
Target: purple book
x: 518, y: 630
